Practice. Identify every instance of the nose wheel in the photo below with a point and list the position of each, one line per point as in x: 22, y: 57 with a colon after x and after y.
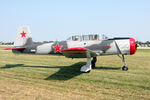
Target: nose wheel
x: 125, y: 68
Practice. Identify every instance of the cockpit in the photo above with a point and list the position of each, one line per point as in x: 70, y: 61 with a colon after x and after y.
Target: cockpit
x: 84, y: 37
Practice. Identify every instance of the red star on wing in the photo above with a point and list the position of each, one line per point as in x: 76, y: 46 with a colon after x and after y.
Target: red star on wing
x: 23, y: 34
x: 57, y: 48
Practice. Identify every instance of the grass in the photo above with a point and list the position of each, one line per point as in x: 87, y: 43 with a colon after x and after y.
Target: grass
x: 45, y: 77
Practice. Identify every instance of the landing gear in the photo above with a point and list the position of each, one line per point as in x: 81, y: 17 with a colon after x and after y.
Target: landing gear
x: 87, y: 68
x: 125, y: 68
x: 93, y: 62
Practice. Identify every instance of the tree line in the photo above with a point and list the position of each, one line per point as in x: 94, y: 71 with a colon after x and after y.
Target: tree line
x: 139, y: 42
x: 11, y: 43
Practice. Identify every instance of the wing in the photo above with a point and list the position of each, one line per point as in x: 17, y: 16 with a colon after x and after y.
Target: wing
x: 77, y: 52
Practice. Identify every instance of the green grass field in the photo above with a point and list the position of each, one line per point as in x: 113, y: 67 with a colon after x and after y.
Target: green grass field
x: 44, y: 77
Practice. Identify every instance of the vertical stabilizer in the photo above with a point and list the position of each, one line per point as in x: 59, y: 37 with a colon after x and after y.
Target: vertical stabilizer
x: 23, y: 35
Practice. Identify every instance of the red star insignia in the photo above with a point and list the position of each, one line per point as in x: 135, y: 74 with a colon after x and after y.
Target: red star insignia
x: 23, y: 34
x: 109, y: 46
x: 57, y: 48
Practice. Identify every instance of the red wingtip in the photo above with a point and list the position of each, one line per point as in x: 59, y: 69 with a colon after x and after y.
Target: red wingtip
x: 13, y: 48
x: 75, y: 49
x: 7, y: 48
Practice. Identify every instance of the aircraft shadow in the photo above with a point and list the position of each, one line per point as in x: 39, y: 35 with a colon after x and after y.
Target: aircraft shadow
x: 22, y: 65
x: 107, y: 68
x: 11, y: 66
x: 64, y: 73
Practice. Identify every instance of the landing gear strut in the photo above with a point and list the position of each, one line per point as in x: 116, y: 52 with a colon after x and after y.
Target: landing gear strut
x: 87, y: 68
x: 93, y: 62
x: 125, y: 68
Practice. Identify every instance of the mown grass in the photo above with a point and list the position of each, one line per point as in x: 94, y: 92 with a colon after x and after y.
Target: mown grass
x: 45, y: 77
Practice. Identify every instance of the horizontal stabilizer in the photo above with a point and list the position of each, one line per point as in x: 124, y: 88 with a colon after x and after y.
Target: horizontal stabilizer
x: 18, y: 48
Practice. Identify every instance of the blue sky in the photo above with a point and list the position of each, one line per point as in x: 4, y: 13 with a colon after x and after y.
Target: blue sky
x: 60, y: 19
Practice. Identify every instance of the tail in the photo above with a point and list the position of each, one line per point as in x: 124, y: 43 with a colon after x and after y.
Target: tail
x: 23, y: 37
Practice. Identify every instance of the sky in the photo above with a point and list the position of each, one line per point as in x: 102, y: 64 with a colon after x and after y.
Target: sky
x: 51, y: 20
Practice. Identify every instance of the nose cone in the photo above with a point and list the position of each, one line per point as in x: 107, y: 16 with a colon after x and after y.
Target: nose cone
x: 132, y: 46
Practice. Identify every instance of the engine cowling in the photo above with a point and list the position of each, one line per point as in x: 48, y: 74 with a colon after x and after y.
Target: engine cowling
x: 124, y: 46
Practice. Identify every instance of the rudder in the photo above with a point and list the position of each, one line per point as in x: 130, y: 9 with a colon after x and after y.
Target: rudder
x: 23, y: 35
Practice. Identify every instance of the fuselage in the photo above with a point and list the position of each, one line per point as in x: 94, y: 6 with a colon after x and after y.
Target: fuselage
x: 100, y: 47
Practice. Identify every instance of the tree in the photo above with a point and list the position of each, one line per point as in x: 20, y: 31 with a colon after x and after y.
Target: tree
x: 138, y: 42
x: 147, y: 42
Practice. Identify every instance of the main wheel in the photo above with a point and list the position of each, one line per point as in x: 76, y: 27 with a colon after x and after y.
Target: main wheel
x: 93, y: 62
x: 125, y: 68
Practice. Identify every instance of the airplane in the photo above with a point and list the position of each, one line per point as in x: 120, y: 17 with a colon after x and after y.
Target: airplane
x: 85, y: 46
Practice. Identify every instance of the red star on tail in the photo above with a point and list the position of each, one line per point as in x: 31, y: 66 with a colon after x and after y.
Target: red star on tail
x: 57, y: 48
x: 23, y: 34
